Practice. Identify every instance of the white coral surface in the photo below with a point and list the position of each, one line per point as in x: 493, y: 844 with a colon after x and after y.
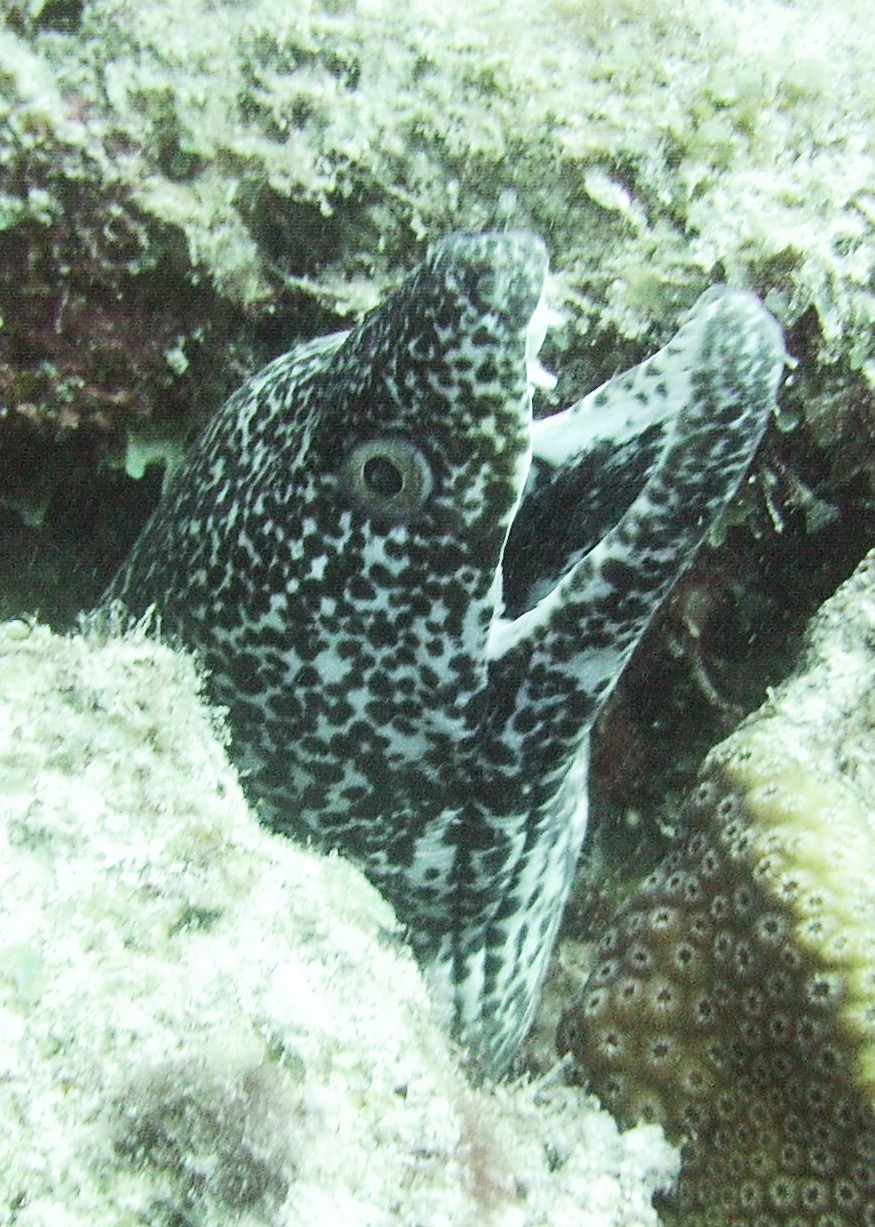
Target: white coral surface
x: 203, y: 1023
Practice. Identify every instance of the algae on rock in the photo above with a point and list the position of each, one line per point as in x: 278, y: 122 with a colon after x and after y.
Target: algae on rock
x: 188, y: 190
x: 203, y: 1022
x: 658, y: 146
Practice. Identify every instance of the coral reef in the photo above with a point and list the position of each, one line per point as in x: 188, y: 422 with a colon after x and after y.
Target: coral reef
x: 202, y: 1023
x: 185, y: 191
x: 733, y: 996
x: 326, y: 138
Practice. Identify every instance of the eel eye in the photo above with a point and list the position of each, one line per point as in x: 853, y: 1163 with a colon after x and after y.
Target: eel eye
x: 388, y: 478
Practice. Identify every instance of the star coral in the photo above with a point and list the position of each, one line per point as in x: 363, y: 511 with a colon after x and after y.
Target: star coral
x: 733, y: 997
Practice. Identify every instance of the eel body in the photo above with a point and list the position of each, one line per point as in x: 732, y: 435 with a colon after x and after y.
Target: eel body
x: 413, y: 598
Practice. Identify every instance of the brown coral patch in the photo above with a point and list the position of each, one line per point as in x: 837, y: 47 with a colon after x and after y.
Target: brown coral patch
x: 723, y: 1005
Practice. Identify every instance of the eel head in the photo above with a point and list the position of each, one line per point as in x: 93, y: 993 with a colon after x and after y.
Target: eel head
x: 414, y: 596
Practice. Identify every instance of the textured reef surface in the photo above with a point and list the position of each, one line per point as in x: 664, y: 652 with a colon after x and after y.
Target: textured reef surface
x: 187, y: 190
x: 203, y: 1023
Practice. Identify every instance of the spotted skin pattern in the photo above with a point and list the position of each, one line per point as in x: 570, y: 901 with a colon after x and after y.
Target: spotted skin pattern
x: 414, y: 601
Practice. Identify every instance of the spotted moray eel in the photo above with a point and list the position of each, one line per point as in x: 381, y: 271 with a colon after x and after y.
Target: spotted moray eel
x: 414, y: 600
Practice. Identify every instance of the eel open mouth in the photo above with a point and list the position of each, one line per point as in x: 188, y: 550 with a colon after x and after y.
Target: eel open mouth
x: 661, y: 446
x: 586, y: 468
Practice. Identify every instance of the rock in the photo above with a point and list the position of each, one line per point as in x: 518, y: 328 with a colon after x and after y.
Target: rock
x: 202, y: 1023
